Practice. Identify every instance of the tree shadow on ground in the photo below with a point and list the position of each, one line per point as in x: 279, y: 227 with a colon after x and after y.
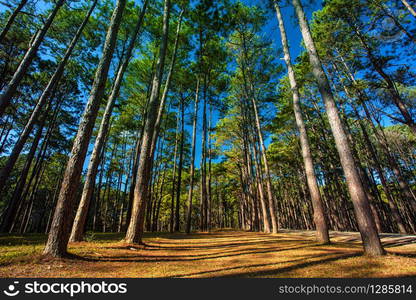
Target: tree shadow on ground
x: 271, y: 272
x: 184, y: 258
x: 242, y: 267
x: 216, y: 254
x: 401, y: 254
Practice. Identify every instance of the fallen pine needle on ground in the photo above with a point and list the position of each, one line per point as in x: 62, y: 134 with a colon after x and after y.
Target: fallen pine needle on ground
x: 217, y: 254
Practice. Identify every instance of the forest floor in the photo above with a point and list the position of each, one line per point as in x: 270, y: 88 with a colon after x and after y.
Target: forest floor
x: 217, y: 254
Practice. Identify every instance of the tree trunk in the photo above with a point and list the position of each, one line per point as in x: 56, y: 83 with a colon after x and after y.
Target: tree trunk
x: 133, y: 180
x: 172, y: 200
x: 403, y: 185
x: 392, y: 204
x: 192, y: 172
x: 126, y: 186
x: 260, y: 188
x: 167, y: 83
x: 181, y: 150
x: 11, y: 18
x: 159, y: 202
x: 409, y: 7
x: 367, y: 227
x: 209, y: 181
x: 391, y: 85
x: 11, y: 209
x: 10, y: 89
x: 81, y: 216
x: 44, y: 98
x: 135, y: 229
x: 270, y: 195
x: 97, y: 197
x: 62, y: 221
x: 318, y: 209
x: 203, y: 200
x: 250, y: 93
x: 20, y: 195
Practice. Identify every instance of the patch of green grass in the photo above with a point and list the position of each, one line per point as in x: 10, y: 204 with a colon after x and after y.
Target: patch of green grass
x: 26, y: 239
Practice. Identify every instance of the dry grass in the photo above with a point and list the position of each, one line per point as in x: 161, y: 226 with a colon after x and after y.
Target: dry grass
x: 217, y: 254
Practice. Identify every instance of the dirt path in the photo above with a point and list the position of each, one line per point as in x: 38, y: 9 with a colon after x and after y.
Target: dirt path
x: 218, y: 254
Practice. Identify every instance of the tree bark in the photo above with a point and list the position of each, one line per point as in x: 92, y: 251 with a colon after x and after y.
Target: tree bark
x: 263, y: 204
x: 11, y: 210
x: 181, y: 150
x: 409, y: 7
x: 81, y: 215
x: 172, y: 200
x: 367, y: 227
x: 209, y: 181
x: 44, y: 98
x: 392, y: 204
x: 12, y: 206
x: 391, y: 85
x: 167, y: 83
x: 136, y: 226
x: 378, y: 133
x: 62, y: 221
x: 318, y: 208
x: 10, y: 89
x: 11, y: 18
x: 250, y: 93
x: 192, y: 171
x: 22, y: 190
x: 269, y: 187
